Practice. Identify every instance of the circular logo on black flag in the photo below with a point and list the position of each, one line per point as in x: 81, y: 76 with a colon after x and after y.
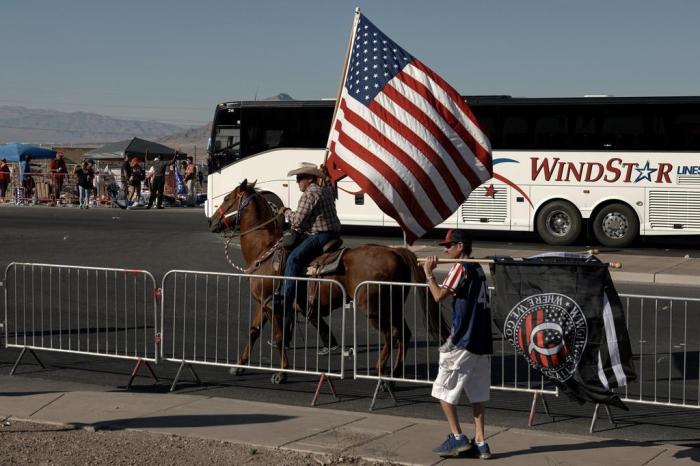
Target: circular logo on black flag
x: 550, y: 331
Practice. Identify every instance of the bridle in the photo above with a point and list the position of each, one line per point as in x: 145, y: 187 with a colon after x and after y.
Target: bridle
x: 231, y: 220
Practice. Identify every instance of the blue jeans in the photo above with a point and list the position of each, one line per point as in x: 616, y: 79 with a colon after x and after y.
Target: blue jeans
x: 299, y: 258
x: 84, y: 196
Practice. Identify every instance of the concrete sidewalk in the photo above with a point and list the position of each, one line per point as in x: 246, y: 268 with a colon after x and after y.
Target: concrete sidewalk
x: 683, y: 271
x: 313, y: 430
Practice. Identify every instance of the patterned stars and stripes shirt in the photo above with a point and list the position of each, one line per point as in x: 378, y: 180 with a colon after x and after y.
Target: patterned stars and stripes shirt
x: 316, y: 211
x: 471, y: 315
x: 453, y: 278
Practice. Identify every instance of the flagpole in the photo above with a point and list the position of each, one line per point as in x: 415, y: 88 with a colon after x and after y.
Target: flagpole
x: 612, y: 265
x: 344, y: 75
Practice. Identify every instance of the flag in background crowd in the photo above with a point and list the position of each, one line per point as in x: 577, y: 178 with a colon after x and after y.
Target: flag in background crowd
x: 404, y: 135
x: 180, y: 188
x: 563, y: 315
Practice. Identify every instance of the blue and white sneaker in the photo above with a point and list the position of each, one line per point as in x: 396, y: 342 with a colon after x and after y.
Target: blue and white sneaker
x: 483, y: 451
x: 453, y: 446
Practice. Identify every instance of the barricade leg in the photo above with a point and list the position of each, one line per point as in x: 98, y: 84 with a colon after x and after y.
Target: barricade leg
x: 533, y: 407
x: 179, y: 371
x: 323, y: 378
x: 21, y: 355
x: 387, y: 388
x: 595, y: 417
x: 136, y: 369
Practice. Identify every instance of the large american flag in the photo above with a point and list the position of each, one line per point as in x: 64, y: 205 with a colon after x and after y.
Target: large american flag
x: 404, y: 135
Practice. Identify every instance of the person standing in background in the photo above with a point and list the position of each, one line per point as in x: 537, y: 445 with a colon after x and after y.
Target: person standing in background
x: 137, y: 177
x: 190, y: 176
x: 58, y: 171
x: 4, y: 179
x: 84, y: 175
x: 126, y: 176
x: 158, y: 183
x: 26, y: 180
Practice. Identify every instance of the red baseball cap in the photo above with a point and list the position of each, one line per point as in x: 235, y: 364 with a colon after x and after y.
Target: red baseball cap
x: 455, y: 236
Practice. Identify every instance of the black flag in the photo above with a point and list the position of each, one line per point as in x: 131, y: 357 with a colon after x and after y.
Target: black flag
x: 563, y: 315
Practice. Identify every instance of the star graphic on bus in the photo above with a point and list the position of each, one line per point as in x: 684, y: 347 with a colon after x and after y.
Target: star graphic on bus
x: 490, y: 192
x: 645, y: 172
x: 508, y: 182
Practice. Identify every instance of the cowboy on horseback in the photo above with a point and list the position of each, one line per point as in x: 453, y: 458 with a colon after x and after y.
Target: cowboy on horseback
x: 314, y: 224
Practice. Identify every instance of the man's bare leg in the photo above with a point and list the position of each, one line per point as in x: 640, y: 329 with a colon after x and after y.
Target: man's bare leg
x: 450, y: 411
x: 479, y: 420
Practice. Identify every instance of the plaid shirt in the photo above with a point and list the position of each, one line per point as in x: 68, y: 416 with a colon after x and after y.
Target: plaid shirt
x: 316, y: 211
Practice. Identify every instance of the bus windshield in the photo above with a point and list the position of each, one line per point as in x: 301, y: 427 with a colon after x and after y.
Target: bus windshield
x: 242, y: 129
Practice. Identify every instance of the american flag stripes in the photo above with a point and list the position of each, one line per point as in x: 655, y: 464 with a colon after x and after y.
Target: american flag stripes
x: 404, y: 135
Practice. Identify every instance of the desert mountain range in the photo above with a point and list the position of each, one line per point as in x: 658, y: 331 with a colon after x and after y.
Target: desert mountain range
x: 52, y: 127
x: 41, y: 126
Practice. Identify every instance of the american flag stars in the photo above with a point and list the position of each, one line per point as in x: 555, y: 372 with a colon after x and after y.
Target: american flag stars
x: 373, y: 53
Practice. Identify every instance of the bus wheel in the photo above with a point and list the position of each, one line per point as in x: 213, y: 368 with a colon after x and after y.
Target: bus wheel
x: 559, y: 223
x: 616, y: 225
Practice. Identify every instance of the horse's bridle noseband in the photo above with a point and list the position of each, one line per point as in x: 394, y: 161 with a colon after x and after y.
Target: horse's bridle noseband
x: 236, y: 216
x: 229, y: 221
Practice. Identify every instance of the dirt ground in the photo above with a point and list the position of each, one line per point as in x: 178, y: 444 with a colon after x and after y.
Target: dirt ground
x: 44, y: 444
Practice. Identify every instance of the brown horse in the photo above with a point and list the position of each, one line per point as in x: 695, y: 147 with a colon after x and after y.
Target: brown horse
x: 260, y: 231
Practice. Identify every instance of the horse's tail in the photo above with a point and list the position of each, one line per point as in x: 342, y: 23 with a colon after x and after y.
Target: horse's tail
x: 437, y: 327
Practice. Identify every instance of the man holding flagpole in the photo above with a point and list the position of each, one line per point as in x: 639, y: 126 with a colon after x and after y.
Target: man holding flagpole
x: 465, y: 357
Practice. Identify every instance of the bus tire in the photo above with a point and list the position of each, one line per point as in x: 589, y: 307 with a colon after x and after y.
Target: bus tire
x: 272, y: 199
x: 616, y: 225
x: 559, y: 223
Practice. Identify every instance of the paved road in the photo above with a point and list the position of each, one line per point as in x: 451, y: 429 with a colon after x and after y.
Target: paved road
x: 159, y: 241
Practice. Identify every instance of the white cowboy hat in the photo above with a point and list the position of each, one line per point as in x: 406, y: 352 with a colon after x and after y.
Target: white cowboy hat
x: 306, y: 168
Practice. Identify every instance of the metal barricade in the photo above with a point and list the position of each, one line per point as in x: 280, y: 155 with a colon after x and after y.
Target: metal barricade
x: 410, y: 303
x: 663, y: 334
x: 210, y: 319
x: 91, y: 311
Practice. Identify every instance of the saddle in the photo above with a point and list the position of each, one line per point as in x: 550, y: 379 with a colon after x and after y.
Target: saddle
x: 327, y: 263
x: 330, y: 262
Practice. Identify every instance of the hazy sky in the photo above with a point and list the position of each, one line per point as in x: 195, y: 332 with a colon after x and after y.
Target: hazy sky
x: 174, y: 60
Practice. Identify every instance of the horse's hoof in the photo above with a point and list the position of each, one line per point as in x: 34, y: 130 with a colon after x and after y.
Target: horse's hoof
x: 236, y: 371
x: 278, y: 378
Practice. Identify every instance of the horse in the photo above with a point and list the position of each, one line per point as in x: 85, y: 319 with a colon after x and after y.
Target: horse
x: 260, y: 230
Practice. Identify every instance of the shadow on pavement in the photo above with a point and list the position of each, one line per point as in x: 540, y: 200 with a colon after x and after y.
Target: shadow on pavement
x: 204, y: 420
x: 691, y: 453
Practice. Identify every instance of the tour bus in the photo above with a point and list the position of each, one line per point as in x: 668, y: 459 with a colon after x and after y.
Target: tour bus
x: 616, y: 167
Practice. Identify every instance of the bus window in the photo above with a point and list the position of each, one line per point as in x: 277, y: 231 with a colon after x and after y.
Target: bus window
x: 685, y: 131
x: 551, y: 132
x: 272, y: 138
x: 658, y: 135
x: 622, y: 132
x: 487, y: 117
x: 515, y: 133
x: 585, y: 135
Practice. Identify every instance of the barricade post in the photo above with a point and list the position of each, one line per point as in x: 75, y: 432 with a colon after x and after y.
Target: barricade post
x: 666, y: 359
x: 209, y: 318
x: 509, y: 372
x: 92, y: 311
